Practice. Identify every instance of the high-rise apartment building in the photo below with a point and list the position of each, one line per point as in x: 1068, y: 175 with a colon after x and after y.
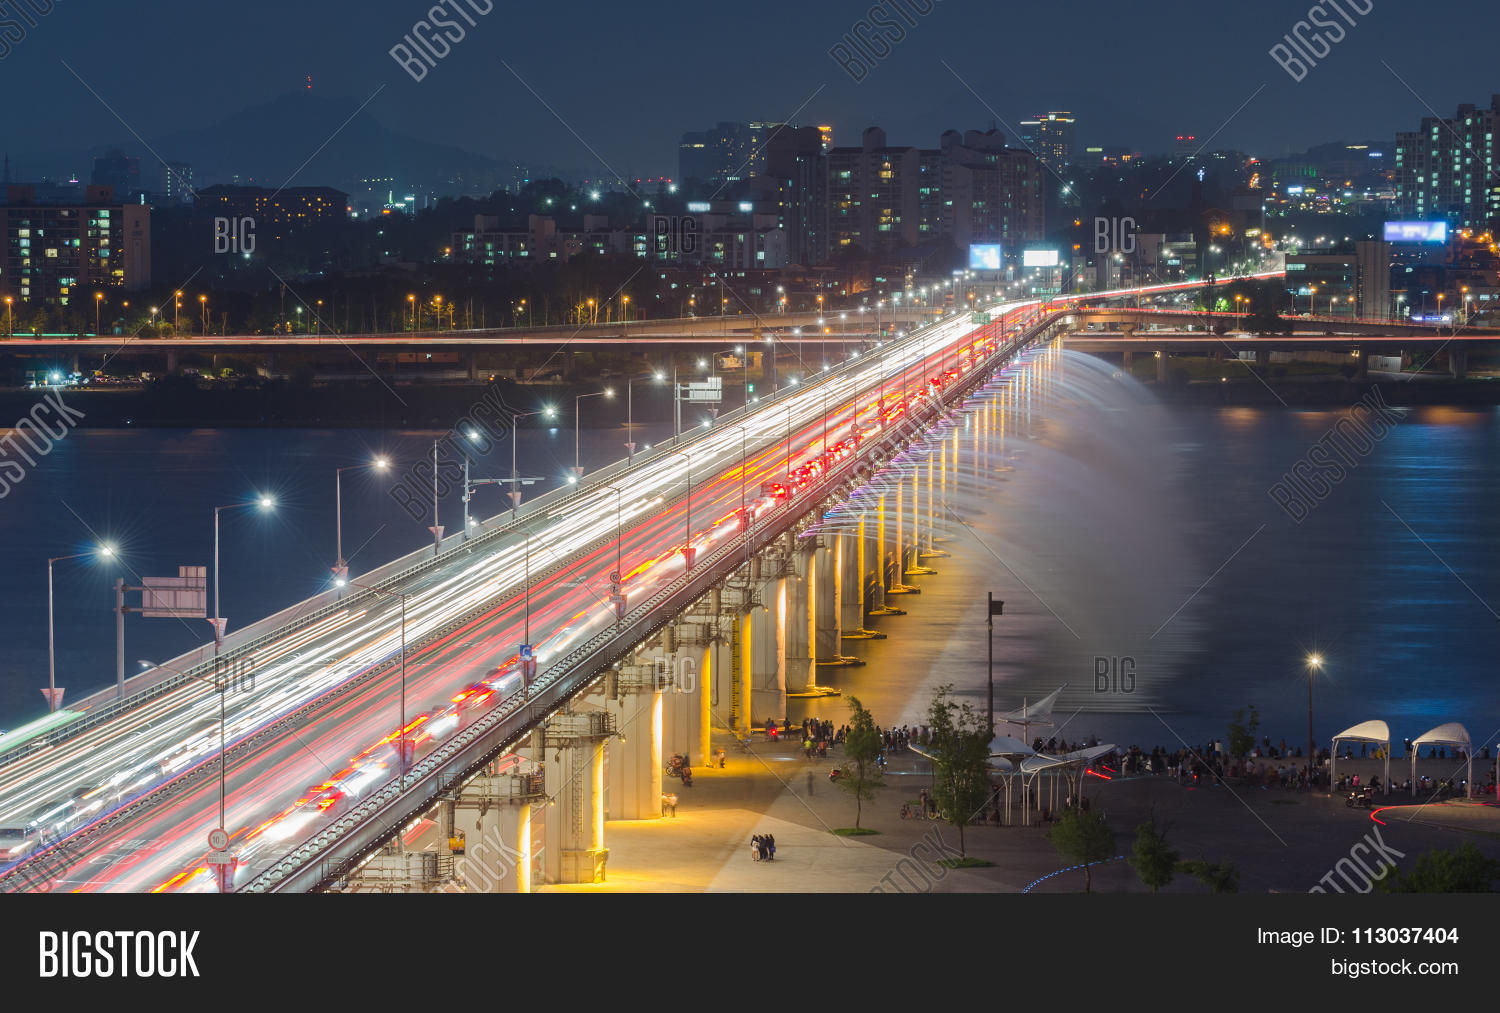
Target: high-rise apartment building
x: 1050, y: 137
x: 1446, y: 168
x: 728, y: 153
x: 54, y: 253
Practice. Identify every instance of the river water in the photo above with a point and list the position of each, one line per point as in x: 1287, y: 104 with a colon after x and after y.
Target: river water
x: 1140, y: 557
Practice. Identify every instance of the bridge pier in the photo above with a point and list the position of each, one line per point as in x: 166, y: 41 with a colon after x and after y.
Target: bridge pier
x: 800, y: 617
x: 902, y: 547
x: 493, y: 813
x: 1458, y: 363
x: 1161, y: 367
x: 634, y: 757
x: 1363, y: 373
x: 1262, y: 358
x: 171, y: 361
x: 574, y: 847
x: 570, y: 366
x: 828, y: 602
x: 915, y: 567
x: 1127, y: 359
x: 856, y: 592
x: 471, y: 363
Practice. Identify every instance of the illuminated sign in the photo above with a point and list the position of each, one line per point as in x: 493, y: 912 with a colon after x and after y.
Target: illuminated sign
x: 698, y: 206
x: 1039, y: 258
x: 984, y: 257
x: 1416, y: 232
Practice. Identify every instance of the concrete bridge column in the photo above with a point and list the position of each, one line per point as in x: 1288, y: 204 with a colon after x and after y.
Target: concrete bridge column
x: 903, y: 546
x: 1127, y: 359
x: 1263, y: 358
x: 827, y: 609
x: 1458, y: 363
x: 762, y: 685
x: 635, y: 765
x: 574, y: 762
x: 494, y: 814
x: 875, y: 565
x: 1364, y: 366
x: 271, y: 364
x: 854, y: 596
x: 471, y: 363
x: 800, y: 588
x: 918, y: 537
x: 1161, y: 366
x: 172, y: 361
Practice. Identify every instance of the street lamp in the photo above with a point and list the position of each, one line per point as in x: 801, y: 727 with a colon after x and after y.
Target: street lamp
x: 10, y: 330
x: 1314, y: 662
x: 341, y: 568
x: 515, y: 476
x: 98, y: 301
x: 53, y: 693
x: 265, y: 503
x: 577, y: 415
x: 658, y: 376
x: 203, y: 304
x: 687, y: 550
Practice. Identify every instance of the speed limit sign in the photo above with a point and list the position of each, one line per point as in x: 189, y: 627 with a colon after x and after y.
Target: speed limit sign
x: 218, y: 840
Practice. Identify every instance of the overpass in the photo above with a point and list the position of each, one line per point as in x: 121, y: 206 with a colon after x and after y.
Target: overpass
x: 657, y: 599
x: 1164, y: 333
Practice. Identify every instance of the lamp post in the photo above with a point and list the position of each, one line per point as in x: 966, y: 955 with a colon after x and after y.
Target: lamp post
x: 203, y: 306
x: 1314, y: 662
x: 10, y: 330
x: 98, y: 301
x: 687, y: 549
x: 515, y: 476
x: 401, y: 740
x: 658, y: 376
x: 265, y: 503
x: 54, y: 695
x: 341, y: 568
x: 577, y: 426
x: 177, y: 316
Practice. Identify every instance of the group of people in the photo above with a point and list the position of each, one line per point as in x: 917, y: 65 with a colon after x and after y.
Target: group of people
x: 763, y: 848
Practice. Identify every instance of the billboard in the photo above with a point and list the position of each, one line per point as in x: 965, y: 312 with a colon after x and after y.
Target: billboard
x: 1416, y: 232
x: 184, y: 596
x: 1039, y: 258
x: 984, y: 257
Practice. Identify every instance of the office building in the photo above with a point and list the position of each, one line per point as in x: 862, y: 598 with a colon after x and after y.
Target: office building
x: 277, y: 213
x: 118, y: 172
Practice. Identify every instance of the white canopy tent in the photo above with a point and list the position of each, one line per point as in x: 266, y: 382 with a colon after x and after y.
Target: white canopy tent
x: 1039, y: 713
x: 1450, y: 734
x: 1365, y: 731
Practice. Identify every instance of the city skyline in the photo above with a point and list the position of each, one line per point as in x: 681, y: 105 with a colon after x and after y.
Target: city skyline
x: 578, y: 120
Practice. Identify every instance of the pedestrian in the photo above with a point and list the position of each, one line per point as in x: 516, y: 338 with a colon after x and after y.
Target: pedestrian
x: 771, y: 846
x: 755, y: 847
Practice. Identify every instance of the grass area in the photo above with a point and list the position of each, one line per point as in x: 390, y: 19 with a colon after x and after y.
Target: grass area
x: 854, y: 831
x: 964, y: 863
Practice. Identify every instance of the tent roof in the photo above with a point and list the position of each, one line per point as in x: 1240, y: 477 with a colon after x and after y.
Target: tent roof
x: 1004, y: 745
x: 1450, y: 734
x: 1367, y: 731
x: 1039, y: 762
x: 1036, y: 713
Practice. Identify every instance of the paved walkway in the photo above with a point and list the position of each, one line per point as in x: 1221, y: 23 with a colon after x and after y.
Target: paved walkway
x: 1284, y: 841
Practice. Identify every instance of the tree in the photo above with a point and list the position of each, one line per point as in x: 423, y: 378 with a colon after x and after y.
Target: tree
x: 960, y: 748
x: 1152, y: 860
x: 861, y: 774
x: 1464, y: 869
x: 1242, y: 735
x: 1085, y: 838
x: 1220, y: 877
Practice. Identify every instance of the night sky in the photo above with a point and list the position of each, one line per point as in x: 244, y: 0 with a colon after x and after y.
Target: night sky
x: 628, y: 79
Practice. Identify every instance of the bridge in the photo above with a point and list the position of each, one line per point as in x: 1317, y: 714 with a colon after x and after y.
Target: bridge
x: 481, y: 690
x: 786, y: 330
x: 1129, y: 332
